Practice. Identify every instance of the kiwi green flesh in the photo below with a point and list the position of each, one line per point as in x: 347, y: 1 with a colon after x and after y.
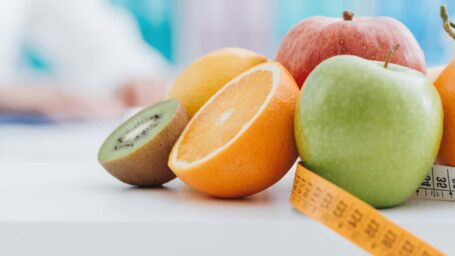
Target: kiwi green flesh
x: 138, y: 130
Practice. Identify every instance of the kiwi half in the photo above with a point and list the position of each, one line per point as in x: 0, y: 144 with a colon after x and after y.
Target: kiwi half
x: 137, y: 151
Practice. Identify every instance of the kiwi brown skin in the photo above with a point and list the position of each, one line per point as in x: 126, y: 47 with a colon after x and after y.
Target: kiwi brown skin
x: 147, y: 165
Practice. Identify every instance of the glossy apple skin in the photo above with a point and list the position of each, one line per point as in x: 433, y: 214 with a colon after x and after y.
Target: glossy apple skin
x: 318, y: 38
x: 372, y: 131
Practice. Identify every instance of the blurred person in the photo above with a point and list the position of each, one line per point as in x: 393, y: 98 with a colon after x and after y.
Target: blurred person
x: 99, y: 64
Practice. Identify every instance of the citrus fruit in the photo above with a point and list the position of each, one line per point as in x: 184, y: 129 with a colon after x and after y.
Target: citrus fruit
x: 242, y: 140
x: 445, y: 84
x: 204, y: 77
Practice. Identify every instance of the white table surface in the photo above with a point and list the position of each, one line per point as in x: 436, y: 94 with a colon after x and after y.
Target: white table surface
x: 55, y: 199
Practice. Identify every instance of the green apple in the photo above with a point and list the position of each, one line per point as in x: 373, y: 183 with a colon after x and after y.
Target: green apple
x: 372, y: 130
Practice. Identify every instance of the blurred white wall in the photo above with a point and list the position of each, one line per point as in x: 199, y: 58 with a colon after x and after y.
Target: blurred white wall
x: 206, y: 25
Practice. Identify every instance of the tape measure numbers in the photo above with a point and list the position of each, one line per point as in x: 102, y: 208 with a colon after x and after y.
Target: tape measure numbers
x: 353, y: 218
x: 439, y: 184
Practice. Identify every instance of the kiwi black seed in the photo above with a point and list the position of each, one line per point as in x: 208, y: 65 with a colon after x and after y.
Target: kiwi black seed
x: 137, y: 151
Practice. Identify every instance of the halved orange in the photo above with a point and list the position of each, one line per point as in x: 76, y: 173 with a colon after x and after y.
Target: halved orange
x: 242, y: 140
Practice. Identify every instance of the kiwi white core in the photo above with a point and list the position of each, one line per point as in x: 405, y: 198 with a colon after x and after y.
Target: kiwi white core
x: 138, y: 130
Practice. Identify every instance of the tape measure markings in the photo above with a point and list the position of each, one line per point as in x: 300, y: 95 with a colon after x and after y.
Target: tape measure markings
x: 352, y: 218
x: 439, y: 184
x: 450, y: 187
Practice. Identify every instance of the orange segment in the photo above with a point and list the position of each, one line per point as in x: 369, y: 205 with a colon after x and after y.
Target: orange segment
x: 225, y: 116
x: 241, y: 141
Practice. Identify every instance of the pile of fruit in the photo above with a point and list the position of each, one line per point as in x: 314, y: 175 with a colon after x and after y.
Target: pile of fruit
x: 349, y: 96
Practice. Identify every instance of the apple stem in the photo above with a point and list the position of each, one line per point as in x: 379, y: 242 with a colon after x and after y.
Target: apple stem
x: 447, y: 24
x: 390, y: 55
x: 348, y: 15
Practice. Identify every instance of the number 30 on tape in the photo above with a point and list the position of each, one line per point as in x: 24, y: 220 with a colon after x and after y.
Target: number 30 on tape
x: 352, y: 218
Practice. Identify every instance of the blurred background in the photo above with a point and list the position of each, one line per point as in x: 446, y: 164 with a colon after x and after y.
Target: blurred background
x: 183, y: 30
x: 133, y: 48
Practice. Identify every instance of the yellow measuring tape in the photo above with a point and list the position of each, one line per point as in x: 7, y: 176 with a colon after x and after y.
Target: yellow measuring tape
x: 353, y: 218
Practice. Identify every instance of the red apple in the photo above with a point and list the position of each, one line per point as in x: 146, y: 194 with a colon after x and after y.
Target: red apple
x: 318, y: 38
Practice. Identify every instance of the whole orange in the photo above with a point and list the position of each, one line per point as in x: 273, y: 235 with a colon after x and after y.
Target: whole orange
x: 205, y: 76
x: 445, y: 84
